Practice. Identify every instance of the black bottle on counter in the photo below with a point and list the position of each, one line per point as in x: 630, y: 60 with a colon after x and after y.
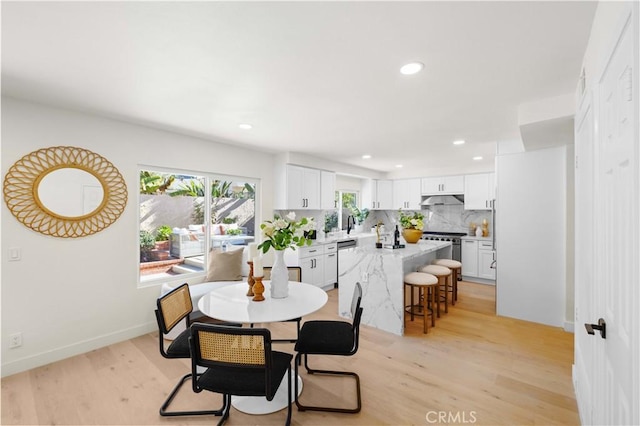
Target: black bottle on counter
x: 396, y: 237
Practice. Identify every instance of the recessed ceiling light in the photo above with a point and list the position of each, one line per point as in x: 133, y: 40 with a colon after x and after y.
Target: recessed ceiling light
x: 459, y: 142
x: 399, y: 166
x: 366, y: 157
x: 477, y: 158
x: 412, y: 68
x: 245, y: 126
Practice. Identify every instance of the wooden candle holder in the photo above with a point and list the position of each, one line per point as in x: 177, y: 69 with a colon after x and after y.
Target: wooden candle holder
x: 258, y: 289
x: 250, y: 278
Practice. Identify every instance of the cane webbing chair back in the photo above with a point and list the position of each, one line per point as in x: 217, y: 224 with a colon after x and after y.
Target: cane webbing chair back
x: 174, y: 307
x: 295, y: 273
x: 232, y: 349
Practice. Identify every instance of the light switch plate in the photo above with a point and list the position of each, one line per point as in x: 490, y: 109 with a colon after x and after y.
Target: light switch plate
x: 15, y: 254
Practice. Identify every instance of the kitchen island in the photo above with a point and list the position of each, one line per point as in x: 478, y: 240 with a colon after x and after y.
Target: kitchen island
x: 381, y: 274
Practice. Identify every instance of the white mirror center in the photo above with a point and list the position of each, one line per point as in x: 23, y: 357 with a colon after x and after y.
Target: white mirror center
x: 70, y: 192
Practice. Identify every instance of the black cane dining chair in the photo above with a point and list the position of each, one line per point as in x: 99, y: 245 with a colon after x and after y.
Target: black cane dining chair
x: 173, y: 308
x: 238, y: 361
x: 323, y: 337
x: 295, y: 274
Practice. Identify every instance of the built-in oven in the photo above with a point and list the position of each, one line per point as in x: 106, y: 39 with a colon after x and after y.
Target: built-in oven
x: 454, y: 237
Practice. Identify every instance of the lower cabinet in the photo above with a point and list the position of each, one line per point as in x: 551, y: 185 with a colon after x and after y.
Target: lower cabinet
x: 477, y: 260
x: 486, y: 258
x: 330, y: 265
x: 319, y: 264
x: 469, y: 255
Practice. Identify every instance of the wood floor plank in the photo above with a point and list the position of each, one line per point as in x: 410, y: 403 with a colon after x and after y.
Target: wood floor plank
x: 473, y: 365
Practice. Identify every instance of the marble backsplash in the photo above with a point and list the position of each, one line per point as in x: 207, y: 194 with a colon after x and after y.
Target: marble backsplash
x: 447, y: 218
x: 441, y: 218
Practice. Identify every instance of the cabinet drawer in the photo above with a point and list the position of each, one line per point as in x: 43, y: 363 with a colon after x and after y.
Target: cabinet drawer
x: 485, y: 245
x: 308, y: 251
x: 330, y: 248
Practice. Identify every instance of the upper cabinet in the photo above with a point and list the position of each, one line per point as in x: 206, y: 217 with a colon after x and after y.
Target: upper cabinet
x: 443, y: 185
x: 298, y: 189
x: 479, y: 191
x: 327, y: 190
x: 406, y: 194
x: 377, y: 194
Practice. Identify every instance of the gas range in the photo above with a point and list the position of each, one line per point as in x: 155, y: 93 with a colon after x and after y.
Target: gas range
x: 443, y: 236
x: 454, y: 237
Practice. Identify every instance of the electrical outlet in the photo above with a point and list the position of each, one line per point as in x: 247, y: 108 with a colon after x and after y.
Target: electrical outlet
x: 15, y: 340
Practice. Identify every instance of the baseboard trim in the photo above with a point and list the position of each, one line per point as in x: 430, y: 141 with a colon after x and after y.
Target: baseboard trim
x: 569, y: 327
x: 47, y: 357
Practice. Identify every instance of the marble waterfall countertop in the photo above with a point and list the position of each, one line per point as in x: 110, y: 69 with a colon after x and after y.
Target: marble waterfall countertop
x: 381, y: 274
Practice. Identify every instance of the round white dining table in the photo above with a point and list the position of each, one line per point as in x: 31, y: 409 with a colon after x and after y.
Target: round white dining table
x: 231, y: 303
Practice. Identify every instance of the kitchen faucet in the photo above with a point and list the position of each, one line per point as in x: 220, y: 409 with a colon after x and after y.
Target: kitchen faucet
x: 350, y: 221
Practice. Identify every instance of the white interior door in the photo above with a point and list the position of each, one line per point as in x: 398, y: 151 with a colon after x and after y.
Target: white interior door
x: 615, y: 390
x: 584, y: 242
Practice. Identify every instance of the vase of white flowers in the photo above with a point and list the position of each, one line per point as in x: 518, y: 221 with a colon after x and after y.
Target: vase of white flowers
x: 281, y: 234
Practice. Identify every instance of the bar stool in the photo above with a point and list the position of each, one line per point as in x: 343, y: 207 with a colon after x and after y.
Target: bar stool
x: 427, y: 285
x: 443, y: 274
x: 455, y: 267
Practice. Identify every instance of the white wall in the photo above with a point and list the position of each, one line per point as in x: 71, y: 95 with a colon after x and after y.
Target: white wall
x: 68, y: 296
x: 531, y: 236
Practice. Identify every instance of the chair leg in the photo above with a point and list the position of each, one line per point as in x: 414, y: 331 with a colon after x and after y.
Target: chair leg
x: 226, y: 408
x: 288, y: 421
x: 302, y: 407
x: 174, y: 392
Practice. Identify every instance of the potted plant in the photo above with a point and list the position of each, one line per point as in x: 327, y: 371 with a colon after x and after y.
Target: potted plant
x: 412, y: 224
x: 147, y: 244
x: 330, y: 222
x: 359, y: 215
x: 162, y: 237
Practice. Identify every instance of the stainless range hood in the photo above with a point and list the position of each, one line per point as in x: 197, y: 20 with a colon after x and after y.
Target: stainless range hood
x: 440, y: 200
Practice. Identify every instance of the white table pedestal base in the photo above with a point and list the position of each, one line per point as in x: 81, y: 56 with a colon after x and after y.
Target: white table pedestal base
x: 260, y: 405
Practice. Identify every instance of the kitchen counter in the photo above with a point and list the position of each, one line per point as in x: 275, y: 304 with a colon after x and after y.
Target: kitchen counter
x: 342, y: 236
x: 381, y: 274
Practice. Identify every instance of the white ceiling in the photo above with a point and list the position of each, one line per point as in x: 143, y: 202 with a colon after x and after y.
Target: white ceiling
x: 320, y: 78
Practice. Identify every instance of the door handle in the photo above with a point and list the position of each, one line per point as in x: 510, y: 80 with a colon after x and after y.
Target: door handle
x: 600, y: 326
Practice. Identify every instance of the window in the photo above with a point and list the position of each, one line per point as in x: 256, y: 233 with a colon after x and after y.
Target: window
x: 175, y: 216
x: 346, y: 200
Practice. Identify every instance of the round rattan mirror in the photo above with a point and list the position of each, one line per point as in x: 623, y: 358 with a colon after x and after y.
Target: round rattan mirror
x: 41, y: 188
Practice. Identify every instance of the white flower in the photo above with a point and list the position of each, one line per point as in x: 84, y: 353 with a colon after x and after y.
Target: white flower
x: 291, y: 217
x: 268, y: 230
x: 280, y: 223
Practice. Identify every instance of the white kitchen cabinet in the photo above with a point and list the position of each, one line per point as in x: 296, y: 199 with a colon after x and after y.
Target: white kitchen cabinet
x: 319, y: 263
x: 298, y: 189
x: 442, y: 185
x: 469, y: 257
x: 327, y: 190
x: 330, y: 265
x: 479, y: 191
x: 477, y: 259
x: 406, y: 194
x: 378, y: 194
x: 486, y: 257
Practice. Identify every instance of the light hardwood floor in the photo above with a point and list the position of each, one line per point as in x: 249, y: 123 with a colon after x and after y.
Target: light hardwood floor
x: 473, y: 368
